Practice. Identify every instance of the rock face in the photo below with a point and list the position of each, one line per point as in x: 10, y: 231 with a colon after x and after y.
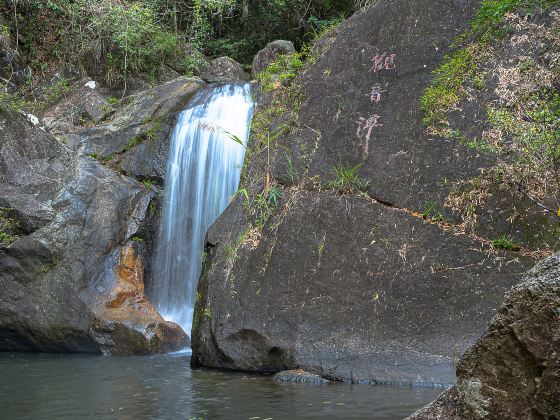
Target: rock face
x: 270, y: 53
x: 345, y: 288
x: 71, y: 263
x: 85, y: 105
x: 357, y: 286
x: 513, y: 372
x: 224, y: 70
x: 127, y: 323
x: 134, y: 139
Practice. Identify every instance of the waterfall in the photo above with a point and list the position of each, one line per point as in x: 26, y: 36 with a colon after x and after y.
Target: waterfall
x: 203, y: 172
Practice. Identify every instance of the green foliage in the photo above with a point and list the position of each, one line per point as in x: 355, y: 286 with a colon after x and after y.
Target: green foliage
x: 149, y: 134
x: 274, y: 195
x: 207, y: 313
x: 231, y: 250
x: 239, y: 28
x: 433, y: 212
x: 57, y: 91
x: 347, y: 180
x: 292, y: 170
x: 487, y: 24
x: 521, y: 132
x: 8, y: 227
x: 446, y: 90
x: 137, y: 239
x: 10, y: 101
x: 282, y: 71
x: 148, y: 183
x: 128, y: 36
x: 244, y: 193
x: 448, y: 87
x: 505, y: 243
x: 139, y: 42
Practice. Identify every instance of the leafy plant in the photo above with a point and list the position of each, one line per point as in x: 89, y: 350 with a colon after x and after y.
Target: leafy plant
x: 347, y: 179
x: 148, y: 183
x: 433, y: 212
x: 274, y: 195
x: 505, y: 243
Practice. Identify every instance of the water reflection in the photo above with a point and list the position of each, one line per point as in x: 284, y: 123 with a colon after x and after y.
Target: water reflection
x: 164, y: 387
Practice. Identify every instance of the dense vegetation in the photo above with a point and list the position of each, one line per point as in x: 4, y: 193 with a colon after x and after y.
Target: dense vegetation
x: 518, y: 92
x: 118, y: 37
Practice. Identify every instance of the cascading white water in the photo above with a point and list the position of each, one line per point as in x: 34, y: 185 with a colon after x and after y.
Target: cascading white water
x: 203, y: 172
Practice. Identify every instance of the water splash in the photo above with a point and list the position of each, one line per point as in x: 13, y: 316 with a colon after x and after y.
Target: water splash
x: 203, y: 172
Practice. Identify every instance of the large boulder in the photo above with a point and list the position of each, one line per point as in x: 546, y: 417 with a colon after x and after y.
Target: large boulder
x: 271, y: 53
x: 375, y: 282
x: 513, y: 372
x: 346, y: 288
x: 81, y: 105
x: 127, y: 323
x: 67, y: 223
x: 224, y: 70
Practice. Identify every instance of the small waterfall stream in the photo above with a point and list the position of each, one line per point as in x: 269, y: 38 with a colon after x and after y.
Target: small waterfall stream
x: 203, y: 172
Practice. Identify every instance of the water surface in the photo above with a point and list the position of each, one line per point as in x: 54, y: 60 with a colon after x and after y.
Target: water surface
x: 36, y: 386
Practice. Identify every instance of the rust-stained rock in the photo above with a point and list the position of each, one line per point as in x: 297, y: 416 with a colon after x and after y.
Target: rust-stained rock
x: 127, y: 323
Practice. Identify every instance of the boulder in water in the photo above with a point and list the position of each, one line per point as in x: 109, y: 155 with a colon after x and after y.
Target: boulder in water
x: 126, y: 321
x: 224, y: 70
x: 270, y: 53
x: 513, y: 372
x: 299, y: 376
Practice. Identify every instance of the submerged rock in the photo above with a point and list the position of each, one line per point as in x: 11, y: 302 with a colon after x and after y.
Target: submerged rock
x: 224, y: 70
x: 270, y: 53
x: 513, y: 372
x: 66, y: 223
x: 299, y: 376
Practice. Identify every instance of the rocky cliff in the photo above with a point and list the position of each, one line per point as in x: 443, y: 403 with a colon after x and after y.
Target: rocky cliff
x: 76, y: 221
x: 340, y: 256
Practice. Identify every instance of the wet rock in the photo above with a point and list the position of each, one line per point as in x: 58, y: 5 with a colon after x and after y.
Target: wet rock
x: 270, y: 53
x: 67, y: 222
x: 513, y: 372
x: 127, y: 323
x: 367, y: 293
x: 224, y: 70
x: 299, y: 376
